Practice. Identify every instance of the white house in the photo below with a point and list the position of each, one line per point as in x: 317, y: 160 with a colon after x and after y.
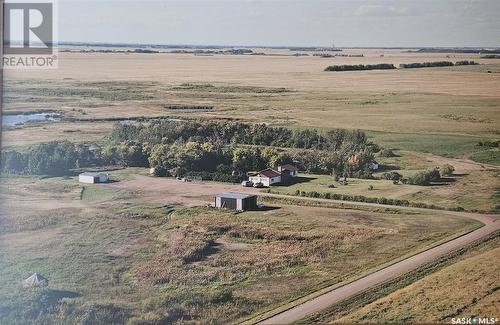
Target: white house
x: 92, y: 178
x: 267, y: 177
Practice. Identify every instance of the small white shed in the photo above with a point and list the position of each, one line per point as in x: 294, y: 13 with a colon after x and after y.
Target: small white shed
x: 92, y: 178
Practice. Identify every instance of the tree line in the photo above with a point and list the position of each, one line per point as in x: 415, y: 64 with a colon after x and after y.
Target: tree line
x: 224, y: 133
x: 358, y: 67
x: 435, y: 64
x: 58, y: 158
x: 214, y: 150
x: 233, y: 148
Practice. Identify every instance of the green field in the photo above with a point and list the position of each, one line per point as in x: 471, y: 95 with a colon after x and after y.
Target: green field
x: 477, y: 195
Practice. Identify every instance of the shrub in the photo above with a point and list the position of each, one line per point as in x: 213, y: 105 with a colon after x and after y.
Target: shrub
x: 447, y: 170
x: 425, y: 177
x: 392, y: 176
x: 387, y: 153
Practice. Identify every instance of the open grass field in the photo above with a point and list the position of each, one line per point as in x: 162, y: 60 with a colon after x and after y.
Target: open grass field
x: 112, y: 261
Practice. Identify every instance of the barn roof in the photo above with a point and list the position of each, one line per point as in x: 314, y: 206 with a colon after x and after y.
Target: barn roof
x: 232, y: 195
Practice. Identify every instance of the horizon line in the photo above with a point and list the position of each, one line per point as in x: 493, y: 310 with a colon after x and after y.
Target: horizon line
x: 181, y: 45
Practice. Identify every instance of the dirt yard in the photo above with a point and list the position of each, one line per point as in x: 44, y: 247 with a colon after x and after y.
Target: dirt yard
x: 145, y: 189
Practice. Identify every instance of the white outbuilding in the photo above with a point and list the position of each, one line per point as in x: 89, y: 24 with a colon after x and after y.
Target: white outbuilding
x: 92, y: 178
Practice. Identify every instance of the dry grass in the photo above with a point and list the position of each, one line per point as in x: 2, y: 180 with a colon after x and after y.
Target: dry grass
x: 166, y: 263
x: 272, y: 71
x: 468, y: 287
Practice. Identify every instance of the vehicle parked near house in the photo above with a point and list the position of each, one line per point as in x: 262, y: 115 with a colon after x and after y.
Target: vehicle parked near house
x: 247, y: 183
x: 258, y: 185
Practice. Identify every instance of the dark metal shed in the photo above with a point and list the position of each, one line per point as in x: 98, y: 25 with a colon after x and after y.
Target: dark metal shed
x: 236, y: 201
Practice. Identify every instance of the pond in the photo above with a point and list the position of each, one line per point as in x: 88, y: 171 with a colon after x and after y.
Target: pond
x: 19, y: 119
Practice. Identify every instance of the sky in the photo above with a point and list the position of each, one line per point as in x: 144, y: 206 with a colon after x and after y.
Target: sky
x: 382, y: 23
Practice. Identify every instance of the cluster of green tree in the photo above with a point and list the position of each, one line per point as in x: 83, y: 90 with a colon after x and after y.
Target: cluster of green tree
x: 378, y: 200
x: 231, y: 163
x: 489, y: 144
x: 357, y: 67
x: 435, y: 64
x: 58, y: 158
x: 235, y: 148
x: 213, y: 150
x: 426, y: 64
x: 224, y: 133
x: 490, y: 56
x: 466, y: 62
x: 425, y: 177
x: 51, y: 158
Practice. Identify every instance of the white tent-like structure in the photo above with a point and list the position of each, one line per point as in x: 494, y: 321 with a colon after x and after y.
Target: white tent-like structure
x: 36, y: 280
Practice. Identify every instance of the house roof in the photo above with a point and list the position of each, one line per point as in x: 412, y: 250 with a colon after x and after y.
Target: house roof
x: 232, y: 195
x: 269, y: 173
x: 91, y: 174
x: 289, y: 167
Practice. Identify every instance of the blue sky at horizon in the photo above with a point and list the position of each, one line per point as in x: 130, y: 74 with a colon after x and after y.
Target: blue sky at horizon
x: 384, y: 23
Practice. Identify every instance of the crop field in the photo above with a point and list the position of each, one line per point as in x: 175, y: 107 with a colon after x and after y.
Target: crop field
x: 114, y: 261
